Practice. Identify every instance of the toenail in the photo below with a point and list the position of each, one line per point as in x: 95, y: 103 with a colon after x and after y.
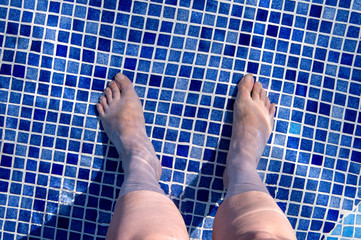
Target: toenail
x: 119, y: 76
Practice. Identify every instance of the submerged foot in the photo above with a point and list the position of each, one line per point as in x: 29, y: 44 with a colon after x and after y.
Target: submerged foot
x: 252, y: 125
x: 121, y: 115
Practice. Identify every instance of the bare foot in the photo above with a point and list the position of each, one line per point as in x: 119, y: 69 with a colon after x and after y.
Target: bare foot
x: 252, y: 125
x: 121, y: 114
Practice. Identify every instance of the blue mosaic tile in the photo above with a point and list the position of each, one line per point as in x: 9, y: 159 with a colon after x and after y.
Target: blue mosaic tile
x: 60, y: 175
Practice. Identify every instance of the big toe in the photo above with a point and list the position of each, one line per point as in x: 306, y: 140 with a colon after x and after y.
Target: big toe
x: 123, y: 82
x: 246, y: 82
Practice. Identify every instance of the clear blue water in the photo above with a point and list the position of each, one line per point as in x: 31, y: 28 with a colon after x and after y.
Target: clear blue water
x: 60, y: 176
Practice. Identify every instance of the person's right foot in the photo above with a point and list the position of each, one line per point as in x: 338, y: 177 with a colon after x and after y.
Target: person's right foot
x: 252, y: 125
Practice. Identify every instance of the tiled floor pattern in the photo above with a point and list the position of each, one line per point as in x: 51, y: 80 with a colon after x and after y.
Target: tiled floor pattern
x: 60, y: 176
x: 349, y: 227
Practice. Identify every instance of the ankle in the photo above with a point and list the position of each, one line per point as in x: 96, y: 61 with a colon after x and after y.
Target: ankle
x: 242, y: 159
x: 237, y: 170
x: 138, y: 145
x: 142, y: 162
x: 249, y: 143
x: 131, y: 185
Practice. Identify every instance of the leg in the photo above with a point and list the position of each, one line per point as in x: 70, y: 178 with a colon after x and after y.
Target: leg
x: 248, y: 211
x: 142, y: 210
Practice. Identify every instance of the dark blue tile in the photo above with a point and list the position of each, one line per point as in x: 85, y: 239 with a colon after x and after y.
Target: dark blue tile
x: 272, y: 30
x: 262, y: 15
x: 244, y: 39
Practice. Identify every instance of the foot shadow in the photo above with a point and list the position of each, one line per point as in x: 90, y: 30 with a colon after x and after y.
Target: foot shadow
x: 78, y: 202
x: 68, y: 215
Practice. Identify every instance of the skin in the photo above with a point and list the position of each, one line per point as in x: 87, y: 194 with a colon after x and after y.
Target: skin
x: 253, y: 214
x: 252, y: 125
x: 250, y: 215
x: 121, y: 115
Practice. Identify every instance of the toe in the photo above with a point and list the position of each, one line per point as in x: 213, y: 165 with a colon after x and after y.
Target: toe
x: 123, y: 82
x: 256, y: 91
x: 246, y: 82
x: 263, y: 95
x: 267, y: 103
x: 100, y: 109
x: 103, y: 102
x: 108, y: 94
x: 115, y: 89
x: 272, y: 110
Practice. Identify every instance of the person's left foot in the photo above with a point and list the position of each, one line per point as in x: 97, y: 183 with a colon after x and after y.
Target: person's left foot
x: 121, y: 114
